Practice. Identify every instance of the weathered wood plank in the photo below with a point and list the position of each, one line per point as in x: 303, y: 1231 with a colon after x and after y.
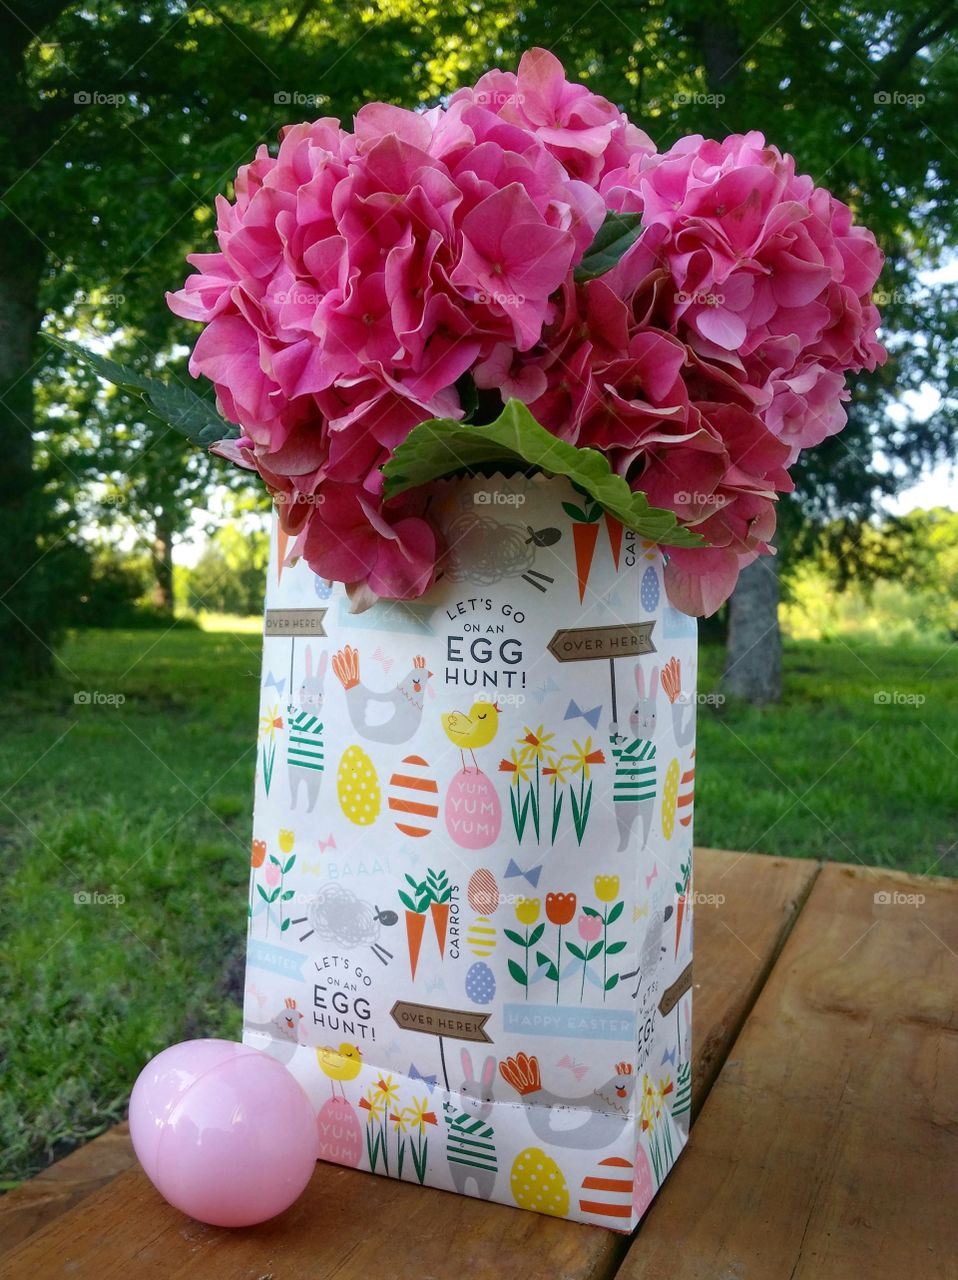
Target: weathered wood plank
x: 828, y: 1146
x: 349, y: 1224
x: 63, y: 1185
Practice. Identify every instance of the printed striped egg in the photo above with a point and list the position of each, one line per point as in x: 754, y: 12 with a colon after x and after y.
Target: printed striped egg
x: 537, y: 1183
x: 481, y: 936
x: 480, y: 983
x: 643, y: 1188
x: 483, y: 892
x: 357, y: 787
x: 687, y: 793
x: 649, y: 590
x: 670, y: 798
x: 413, y: 797
x: 606, y: 1195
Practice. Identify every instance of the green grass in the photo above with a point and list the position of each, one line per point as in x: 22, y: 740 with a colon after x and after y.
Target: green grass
x: 150, y: 799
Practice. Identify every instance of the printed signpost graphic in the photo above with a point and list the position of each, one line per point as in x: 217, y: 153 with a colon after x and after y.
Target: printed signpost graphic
x: 432, y: 1020
x: 585, y: 644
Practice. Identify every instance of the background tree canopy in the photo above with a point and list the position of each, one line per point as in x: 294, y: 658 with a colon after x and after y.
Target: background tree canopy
x: 121, y: 123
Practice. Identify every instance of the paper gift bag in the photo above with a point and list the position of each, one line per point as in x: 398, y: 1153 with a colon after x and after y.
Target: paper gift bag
x: 470, y: 929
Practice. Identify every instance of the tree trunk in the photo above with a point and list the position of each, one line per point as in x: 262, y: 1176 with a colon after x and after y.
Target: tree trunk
x: 753, y: 656
x: 27, y: 609
x: 163, y: 564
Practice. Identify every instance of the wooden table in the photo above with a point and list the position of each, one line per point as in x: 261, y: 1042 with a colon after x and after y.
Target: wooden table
x: 826, y: 1094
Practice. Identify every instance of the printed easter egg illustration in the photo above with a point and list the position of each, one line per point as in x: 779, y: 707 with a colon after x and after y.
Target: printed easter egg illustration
x: 480, y: 983
x: 472, y: 810
x: 643, y: 1188
x: 670, y: 798
x: 481, y: 936
x: 358, y: 787
x: 414, y: 798
x: 649, y: 590
x: 687, y: 793
x: 606, y: 1194
x: 322, y: 588
x: 340, y: 1133
x: 538, y: 1183
x: 483, y: 892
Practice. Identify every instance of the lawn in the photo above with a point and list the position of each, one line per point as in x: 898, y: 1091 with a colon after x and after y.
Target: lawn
x: 149, y: 800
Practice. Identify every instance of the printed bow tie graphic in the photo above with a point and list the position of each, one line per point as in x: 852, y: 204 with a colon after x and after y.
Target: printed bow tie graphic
x: 381, y: 658
x: 578, y: 1069
x: 273, y: 683
x: 668, y: 1056
x: 548, y: 686
x: 532, y: 875
x: 429, y: 1081
x: 575, y: 712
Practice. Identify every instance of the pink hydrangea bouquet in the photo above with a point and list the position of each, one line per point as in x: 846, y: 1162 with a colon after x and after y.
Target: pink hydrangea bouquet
x: 520, y: 278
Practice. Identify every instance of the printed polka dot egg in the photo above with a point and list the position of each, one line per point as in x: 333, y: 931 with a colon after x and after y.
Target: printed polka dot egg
x: 537, y: 1183
x: 358, y: 787
x: 649, y: 590
x: 670, y: 798
x: 480, y: 983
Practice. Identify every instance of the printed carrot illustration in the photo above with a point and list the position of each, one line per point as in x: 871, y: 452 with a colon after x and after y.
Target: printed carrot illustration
x: 585, y: 535
x: 437, y: 886
x: 615, y: 537
x: 416, y: 907
x: 682, y: 889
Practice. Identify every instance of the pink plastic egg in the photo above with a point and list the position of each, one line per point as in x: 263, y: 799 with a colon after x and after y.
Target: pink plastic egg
x: 224, y: 1132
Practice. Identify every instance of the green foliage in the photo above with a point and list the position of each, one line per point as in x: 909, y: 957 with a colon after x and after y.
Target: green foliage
x: 618, y: 233
x: 442, y: 447
x: 229, y: 576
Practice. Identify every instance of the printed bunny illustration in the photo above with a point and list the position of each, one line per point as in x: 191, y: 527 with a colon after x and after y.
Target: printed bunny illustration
x: 603, y: 1121
x: 634, y: 790
x: 283, y: 1032
x: 305, y: 757
x: 470, y: 1148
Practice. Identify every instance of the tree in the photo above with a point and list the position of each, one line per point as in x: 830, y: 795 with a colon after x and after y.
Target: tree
x: 118, y: 125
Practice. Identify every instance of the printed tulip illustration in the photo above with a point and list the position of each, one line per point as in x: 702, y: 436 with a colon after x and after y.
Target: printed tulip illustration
x: 259, y: 854
x: 527, y: 913
x: 275, y: 876
x: 607, y: 890
x: 560, y: 910
x: 589, y: 929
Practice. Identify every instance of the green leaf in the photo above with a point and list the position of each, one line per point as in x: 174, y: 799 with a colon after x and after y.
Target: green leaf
x: 517, y: 972
x: 407, y: 902
x: 545, y: 962
x: 594, y: 951
x: 536, y: 934
x: 442, y: 447
x: 576, y: 951
x: 273, y: 896
x: 616, y: 912
x: 517, y: 938
x: 289, y: 863
x: 262, y: 893
x: 274, y: 860
x: 172, y: 402
x: 410, y: 880
x: 574, y: 512
x: 591, y: 911
x: 618, y: 233
x: 284, y: 926
x: 614, y: 948
x: 290, y: 893
x: 611, y: 982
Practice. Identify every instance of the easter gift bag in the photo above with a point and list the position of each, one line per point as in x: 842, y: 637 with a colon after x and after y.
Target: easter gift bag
x: 470, y: 905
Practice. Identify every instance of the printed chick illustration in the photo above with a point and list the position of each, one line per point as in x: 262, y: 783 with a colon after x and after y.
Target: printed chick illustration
x: 340, y: 1064
x: 477, y: 729
x: 391, y: 717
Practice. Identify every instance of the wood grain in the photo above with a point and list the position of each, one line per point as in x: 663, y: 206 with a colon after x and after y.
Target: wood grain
x: 350, y: 1224
x: 828, y: 1147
